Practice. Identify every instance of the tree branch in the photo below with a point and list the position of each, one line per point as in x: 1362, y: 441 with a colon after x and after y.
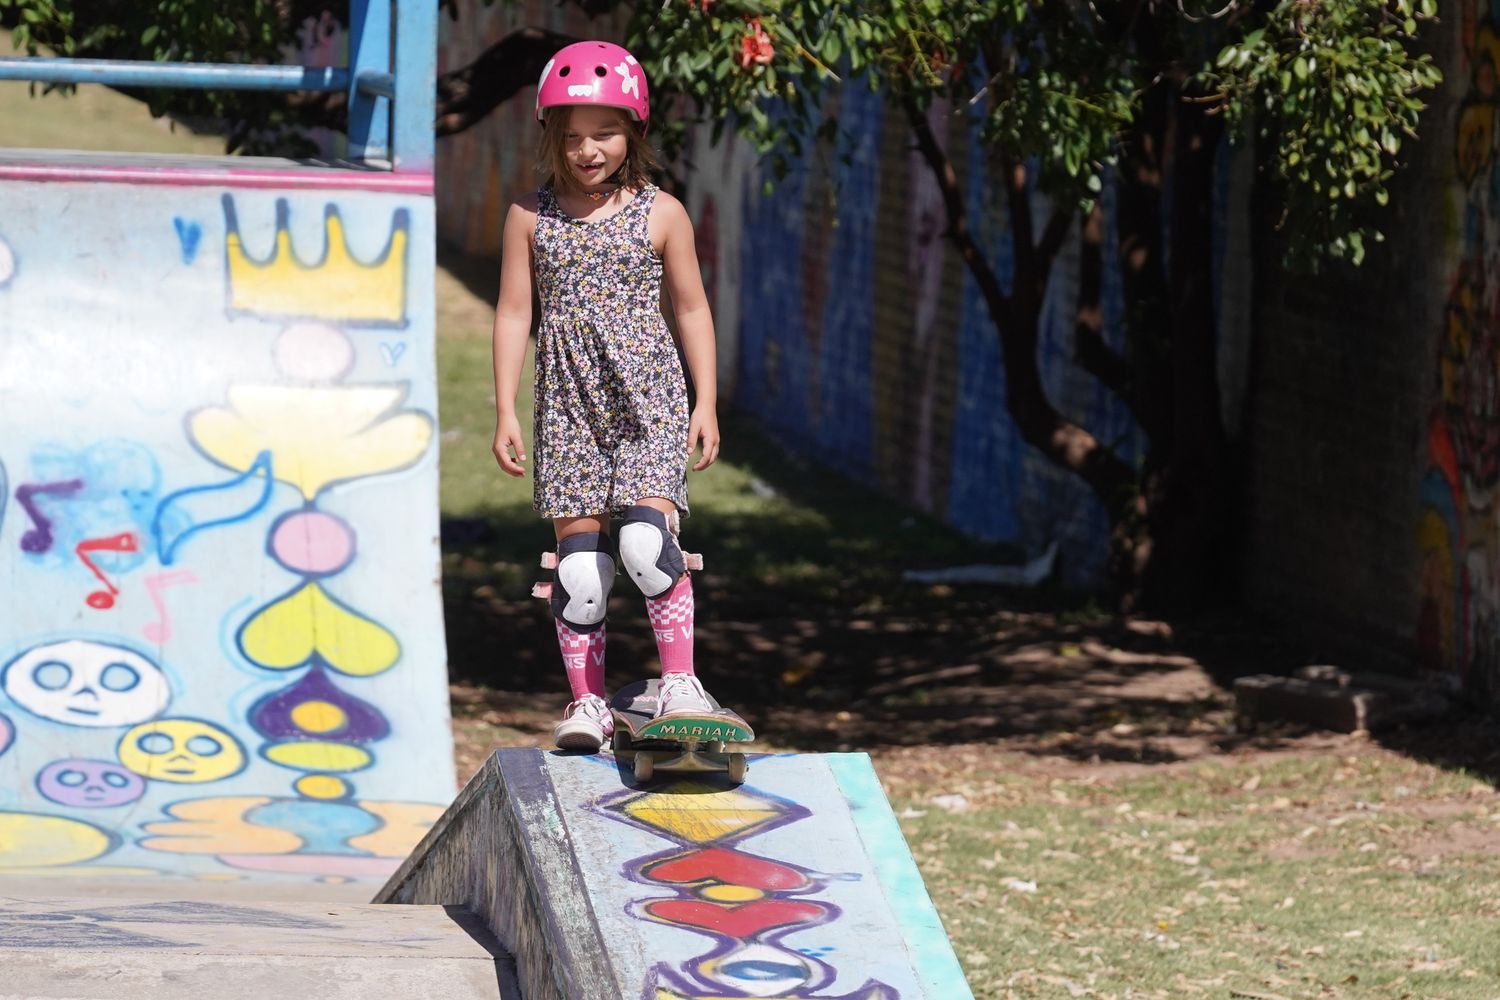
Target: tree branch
x: 953, y: 205
x: 1053, y: 235
x: 466, y: 96
x: 1016, y: 318
x: 1090, y: 351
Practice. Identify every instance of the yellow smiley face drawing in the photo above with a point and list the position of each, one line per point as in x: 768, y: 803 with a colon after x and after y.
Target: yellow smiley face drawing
x: 186, y: 750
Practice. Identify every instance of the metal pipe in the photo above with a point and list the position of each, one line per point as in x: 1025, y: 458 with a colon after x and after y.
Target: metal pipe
x: 204, y: 76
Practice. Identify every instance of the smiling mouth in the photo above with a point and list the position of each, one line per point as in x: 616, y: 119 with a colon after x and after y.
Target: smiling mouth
x: 178, y: 770
x: 83, y: 711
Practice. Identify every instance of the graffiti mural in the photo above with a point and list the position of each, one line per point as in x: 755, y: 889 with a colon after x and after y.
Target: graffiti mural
x: 897, y: 379
x: 1458, y: 533
x: 220, y: 640
x: 784, y: 887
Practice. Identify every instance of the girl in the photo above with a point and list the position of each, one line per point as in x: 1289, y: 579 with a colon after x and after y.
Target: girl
x: 613, y: 433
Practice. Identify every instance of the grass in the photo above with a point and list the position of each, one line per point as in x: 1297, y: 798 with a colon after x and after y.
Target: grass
x: 768, y: 515
x: 92, y: 118
x: 1309, y: 876
x: 1361, y: 874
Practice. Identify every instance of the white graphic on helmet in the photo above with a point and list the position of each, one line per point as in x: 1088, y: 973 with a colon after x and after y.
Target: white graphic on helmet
x: 630, y: 59
x: 632, y: 83
x: 545, y: 70
x: 584, y: 90
x: 90, y: 684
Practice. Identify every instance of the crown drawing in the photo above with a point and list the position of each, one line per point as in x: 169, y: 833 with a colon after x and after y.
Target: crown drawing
x: 337, y: 287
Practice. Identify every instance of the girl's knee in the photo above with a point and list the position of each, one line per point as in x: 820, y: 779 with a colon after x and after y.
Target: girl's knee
x: 597, y: 524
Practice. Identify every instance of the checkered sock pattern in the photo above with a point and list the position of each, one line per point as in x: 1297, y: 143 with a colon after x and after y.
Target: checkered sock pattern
x: 583, y: 657
x: 672, y: 620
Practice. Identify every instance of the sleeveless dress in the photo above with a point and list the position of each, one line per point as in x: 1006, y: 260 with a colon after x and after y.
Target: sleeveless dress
x: 611, y: 401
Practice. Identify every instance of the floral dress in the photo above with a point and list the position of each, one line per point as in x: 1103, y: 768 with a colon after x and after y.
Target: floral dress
x: 611, y: 401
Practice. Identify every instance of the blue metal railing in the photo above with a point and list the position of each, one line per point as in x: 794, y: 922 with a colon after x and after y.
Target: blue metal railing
x: 390, y: 79
x: 199, y: 76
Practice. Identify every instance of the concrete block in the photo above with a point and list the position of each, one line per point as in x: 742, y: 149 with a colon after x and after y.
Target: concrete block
x: 175, y: 949
x: 1330, y: 698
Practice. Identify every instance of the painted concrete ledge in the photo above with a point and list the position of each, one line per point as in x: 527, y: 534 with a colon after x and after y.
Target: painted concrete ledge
x: 190, y: 949
x: 797, y: 884
x: 176, y: 170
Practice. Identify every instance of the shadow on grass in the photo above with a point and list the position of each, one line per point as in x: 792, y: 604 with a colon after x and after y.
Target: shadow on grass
x: 805, y: 625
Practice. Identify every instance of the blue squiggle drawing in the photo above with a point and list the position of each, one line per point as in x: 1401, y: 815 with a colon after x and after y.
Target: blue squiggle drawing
x: 179, y: 506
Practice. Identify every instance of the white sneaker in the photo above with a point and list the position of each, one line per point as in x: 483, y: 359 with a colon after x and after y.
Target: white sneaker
x: 586, y: 725
x: 682, y: 694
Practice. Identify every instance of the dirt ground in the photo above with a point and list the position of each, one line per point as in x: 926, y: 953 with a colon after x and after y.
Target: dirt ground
x: 1105, y: 696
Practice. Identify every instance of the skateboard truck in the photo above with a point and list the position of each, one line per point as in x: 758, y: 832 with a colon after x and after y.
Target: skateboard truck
x: 686, y: 743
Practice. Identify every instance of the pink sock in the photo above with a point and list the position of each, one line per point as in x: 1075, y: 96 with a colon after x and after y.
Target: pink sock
x: 583, y: 657
x: 672, y: 619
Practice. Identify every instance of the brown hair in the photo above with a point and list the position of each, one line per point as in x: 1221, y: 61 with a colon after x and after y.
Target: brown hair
x: 552, y: 152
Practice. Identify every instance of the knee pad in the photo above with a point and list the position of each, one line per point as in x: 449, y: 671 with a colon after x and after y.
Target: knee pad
x: 649, y: 551
x: 582, y: 580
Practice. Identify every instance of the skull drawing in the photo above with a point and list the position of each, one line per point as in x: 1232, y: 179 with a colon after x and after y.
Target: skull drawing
x: 82, y: 683
x: 89, y: 784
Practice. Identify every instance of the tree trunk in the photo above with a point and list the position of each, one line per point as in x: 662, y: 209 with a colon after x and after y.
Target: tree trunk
x: 1190, y: 508
x: 1017, y: 318
x: 1170, y: 522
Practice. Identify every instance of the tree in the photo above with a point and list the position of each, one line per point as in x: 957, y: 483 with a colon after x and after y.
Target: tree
x: 1065, y: 94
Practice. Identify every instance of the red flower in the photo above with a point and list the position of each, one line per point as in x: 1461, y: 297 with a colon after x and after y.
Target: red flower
x: 702, y: 5
x: 756, y: 46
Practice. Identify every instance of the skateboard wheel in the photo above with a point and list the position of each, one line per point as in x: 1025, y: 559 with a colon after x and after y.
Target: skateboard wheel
x: 738, y: 768
x: 619, y: 741
x: 645, y: 766
x: 715, y: 746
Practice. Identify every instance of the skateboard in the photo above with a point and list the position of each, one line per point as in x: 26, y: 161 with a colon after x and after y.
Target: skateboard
x: 679, y: 742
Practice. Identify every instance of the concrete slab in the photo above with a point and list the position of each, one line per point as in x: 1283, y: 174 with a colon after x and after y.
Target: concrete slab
x: 797, y: 884
x: 122, y: 949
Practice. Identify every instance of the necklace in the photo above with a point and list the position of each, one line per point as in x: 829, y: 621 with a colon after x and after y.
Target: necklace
x: 598, y: 195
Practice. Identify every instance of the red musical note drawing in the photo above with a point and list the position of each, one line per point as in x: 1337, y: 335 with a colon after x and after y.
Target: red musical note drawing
x: 160, y: 631
x: 39, y: 538
x: 123, y: 542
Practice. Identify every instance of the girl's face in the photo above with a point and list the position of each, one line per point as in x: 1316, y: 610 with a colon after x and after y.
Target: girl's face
x: 596, y: 144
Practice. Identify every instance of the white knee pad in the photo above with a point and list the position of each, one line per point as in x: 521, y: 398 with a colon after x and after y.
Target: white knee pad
x: 584, y: 575
x: 649, y: 552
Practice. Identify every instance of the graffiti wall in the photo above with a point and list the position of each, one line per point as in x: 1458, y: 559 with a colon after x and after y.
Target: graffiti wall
x: 847, y: 326
x: 864, y: 341
x: 1458, y: 534
x: 221, y: 647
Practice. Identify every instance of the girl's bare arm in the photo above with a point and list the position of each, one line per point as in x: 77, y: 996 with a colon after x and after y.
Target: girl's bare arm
x: 512, y: 327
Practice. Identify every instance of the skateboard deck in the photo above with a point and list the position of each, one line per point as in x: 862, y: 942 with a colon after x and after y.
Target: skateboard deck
x: 679, y: 742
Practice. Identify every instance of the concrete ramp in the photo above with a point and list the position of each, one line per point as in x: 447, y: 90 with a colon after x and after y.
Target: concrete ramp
x: 797, y: 884
x: 221, y: 646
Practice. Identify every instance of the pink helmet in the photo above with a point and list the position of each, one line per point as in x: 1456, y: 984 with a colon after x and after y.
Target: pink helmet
x: 594, y: 73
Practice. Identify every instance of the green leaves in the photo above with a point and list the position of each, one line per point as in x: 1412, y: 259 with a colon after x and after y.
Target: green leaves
x: 1328, y: 88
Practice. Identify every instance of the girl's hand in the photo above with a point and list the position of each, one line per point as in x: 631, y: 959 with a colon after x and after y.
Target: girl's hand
x: 704, y: 427
x: 508, y: 439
